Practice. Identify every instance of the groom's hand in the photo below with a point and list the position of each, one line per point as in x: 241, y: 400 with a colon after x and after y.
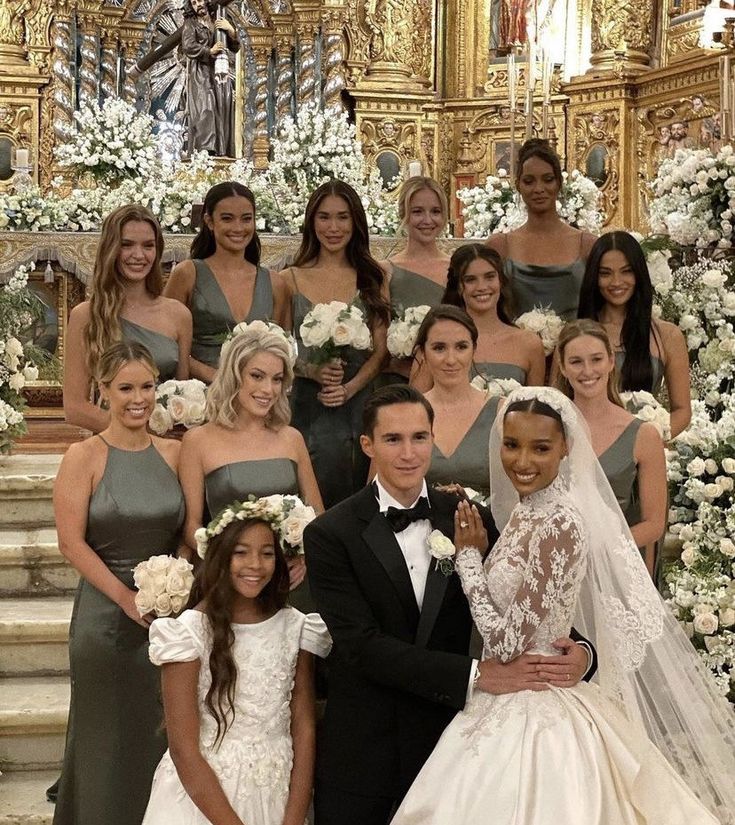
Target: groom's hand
x: 520, y: 674
x: 566, y: 669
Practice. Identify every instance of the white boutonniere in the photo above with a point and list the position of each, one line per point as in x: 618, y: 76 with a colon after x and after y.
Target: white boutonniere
x: 442, y: 549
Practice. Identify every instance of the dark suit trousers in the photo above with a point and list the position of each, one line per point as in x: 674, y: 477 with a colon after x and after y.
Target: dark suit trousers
x: 335, y: 807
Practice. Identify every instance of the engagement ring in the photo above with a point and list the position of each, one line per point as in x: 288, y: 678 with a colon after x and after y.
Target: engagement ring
x: 463, y: 525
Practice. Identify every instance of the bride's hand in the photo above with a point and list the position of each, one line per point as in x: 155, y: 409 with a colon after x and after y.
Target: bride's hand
x: 566, y: 669
x: 469, y: 531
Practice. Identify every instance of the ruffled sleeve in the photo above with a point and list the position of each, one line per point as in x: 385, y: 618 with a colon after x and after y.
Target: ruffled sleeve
x: 173, y: 640
x: 315, y: 637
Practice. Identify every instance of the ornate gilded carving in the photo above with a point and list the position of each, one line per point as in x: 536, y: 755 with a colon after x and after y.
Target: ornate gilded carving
x: 89, y: 67
x: 12, y: 21
x: 400, y: 40
x: 622, y: 34
x: 334, y: 59
x: 108, y: 66
x: 379, y: 135
x: 597, y: 151
x: 285, y: 77
x: 261, y: 41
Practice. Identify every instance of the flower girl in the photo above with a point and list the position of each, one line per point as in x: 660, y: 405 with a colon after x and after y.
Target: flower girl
x: 237, y: 684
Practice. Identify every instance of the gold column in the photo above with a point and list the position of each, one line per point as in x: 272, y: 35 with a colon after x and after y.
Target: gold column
x: 261, y: 41
x: 307, y: 17
x: 63, y: 81
x: 622, y: 36
x: 283, y: 28
x: 89, y: 66
x: 130, y: 81
x: 108, y: 64
x: 333, y: 19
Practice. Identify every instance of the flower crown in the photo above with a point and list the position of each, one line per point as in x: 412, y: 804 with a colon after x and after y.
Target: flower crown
x: 287, y: 515
x: 260, y: 328
x: 553, y: 398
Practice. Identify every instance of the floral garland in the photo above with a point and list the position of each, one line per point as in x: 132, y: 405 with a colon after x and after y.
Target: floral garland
x: 288, y: 515
x: 494, y: 207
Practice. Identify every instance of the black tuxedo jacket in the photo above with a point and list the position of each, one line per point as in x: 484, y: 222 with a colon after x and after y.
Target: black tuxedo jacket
x: 397, y: 676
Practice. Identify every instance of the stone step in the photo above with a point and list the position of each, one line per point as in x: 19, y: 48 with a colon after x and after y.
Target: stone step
x: 31, y: 565
x: 26, y: 489
x: 33, y: 715
x: 34, y: 635
x: 23, y: 798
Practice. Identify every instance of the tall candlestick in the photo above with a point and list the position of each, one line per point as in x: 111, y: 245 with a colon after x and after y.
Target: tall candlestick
x: 725, y: 95
x: 513, y: 103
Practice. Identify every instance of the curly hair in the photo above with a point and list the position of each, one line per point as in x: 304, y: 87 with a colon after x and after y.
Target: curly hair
x: 108, y: 289
x: 458, y: 265
x: 576, y: 329
x: 213, y: 586
x: 222, y: 407
x: 370, y: 276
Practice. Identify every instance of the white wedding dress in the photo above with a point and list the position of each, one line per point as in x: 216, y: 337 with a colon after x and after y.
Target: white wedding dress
x: 556, y: 757
x: 253, y: 761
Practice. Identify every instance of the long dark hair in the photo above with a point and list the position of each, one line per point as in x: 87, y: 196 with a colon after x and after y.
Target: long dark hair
x: 635, y: 337
x: 213, y: 586
x: 460, y: 261
x: 369, y: 274
x: 204, y: 243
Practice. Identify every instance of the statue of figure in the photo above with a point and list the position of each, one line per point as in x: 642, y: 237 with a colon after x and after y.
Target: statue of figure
x: 512, y: 28
x: 209, y: 104
x: 12, y: 23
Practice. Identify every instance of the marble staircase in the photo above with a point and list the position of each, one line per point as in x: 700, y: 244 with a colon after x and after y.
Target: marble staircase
x: 36, y: 593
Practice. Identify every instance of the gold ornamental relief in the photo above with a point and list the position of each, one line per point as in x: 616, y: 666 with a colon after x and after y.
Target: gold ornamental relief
x: 622, y: 25
x: 596, y: 154
x: 400, y: 34
x: 12, y: 23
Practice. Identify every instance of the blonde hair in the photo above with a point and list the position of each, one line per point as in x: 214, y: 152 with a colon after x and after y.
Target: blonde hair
x: 222, y: 394
x: 108, y: 291
x: 114, y: 358
x: 409, y: 188
x: 576, y: 329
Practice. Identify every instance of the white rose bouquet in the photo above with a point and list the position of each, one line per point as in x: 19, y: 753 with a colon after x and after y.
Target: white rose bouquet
x: 287, y: 514
x: 545, y: 323
x: 261, y: 327
x: 164, y: 584
x: 178, y: 403
x: 495, y: 387
x: 645, y: 406
x: 328, y: 329
x: 402, y: 331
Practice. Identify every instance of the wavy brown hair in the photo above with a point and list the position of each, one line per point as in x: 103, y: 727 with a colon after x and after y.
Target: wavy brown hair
x: 213, y: 587
x: 108, y: 289
x: 458, y: 265
x: 370, y: 275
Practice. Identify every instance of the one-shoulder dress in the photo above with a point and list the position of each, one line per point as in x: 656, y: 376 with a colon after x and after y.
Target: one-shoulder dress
x: 165, y: 350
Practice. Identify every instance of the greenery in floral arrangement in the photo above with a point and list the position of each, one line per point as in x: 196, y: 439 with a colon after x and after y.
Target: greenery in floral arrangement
x: 19, y: 309
x: 495, y: 208
x: 32, y: 211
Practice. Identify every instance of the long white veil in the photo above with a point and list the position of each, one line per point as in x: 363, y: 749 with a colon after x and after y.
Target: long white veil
x: 646, y: 662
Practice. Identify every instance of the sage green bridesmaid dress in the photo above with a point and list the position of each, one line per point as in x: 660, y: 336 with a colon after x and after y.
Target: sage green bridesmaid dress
x: 554, y: 286
x: 618, y: 464
x: 495, y: 369
x: 164, y: 350
x: 114, y: 739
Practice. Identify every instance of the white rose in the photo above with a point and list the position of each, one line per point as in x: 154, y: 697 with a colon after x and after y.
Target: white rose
x: 16, y: 381
x: 696, y: 467
x: 314, y: 334
x: 728, y: 465
x: 688, y: 556
x: 714, y: 278
x: 142, y: 577
x: 160, y: 421
x: 194, y: 414
x: 727, y: 548
x: 177, y: 603
x: 292, y: 527
x: 712, y: 491
x: 30, y: 372
x: 363, y: 340
x: 201, y: 539
x: 727, y: 617
x: 177, y: 407
x: 440, y: 546
x: 13, y: 347
x: 193, y: 389
x: 725, y: 483
x: 145, y: 601
x: 176, y: 584
x: 162, y: 605
x: 710, y: 466
x: 705, y: 623
x: 344, y: 331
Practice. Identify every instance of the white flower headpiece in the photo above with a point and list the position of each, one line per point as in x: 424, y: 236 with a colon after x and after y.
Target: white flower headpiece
x: 287, y: 515
x: 260, y: 328
x: 550, y: 396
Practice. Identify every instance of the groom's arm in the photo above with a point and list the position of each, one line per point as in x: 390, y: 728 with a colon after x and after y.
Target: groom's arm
x: 434, y: 675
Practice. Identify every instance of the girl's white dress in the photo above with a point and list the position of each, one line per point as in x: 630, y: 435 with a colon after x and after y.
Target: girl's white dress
x: 253, y: 761
x: 556, y: 757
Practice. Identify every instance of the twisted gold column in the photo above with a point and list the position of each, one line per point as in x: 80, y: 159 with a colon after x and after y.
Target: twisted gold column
x: 306, y: 89
x: 63, y: 82
x: 334, y: 59
x: 108, y: 66
x: 88, y: 70
x: 262, y: 44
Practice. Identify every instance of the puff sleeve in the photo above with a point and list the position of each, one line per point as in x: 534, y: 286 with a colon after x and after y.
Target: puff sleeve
x: 315, y: 637
x: 173, y: 640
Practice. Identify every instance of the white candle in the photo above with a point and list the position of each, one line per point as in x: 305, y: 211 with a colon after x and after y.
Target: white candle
x: 414, y: 169
x: 512, y: 80
x: 726, y: 85
x: 22, y: 158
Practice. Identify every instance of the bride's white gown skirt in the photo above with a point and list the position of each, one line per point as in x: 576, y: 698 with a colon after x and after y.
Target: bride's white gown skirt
x: 559, y: 757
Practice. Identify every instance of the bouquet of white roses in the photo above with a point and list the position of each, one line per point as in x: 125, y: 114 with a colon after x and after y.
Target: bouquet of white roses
x: 645, y: 406
x: 260, y: 327
x: 178, y: 403
x: 329, y: 328
x: 545, y: 323
x: 287, y: 514
x: 402, y: 331
x: 495, y: 387
x: 164, y: 584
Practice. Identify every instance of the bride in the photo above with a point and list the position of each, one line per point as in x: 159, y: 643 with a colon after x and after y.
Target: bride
x: 650, y: 740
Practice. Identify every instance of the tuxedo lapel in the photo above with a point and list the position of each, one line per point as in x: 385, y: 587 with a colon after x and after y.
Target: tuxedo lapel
x: 436, y: 581
x: 381, y: 540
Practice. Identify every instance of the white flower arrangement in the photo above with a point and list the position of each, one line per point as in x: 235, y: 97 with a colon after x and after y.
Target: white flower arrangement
x: 32, y: 211
x: 178, y: 403
x: 261, y: 327
x: 288, y: 515
x: 327, y: 329
x: 164, y: 584
x: 476, y: 497
x: 647, y: 407
x: 494, y: 208
x: 495, y: 387
x: 402, y: 331
x: 545, y: 323
x: 694, y: 197
x: 442, y: 549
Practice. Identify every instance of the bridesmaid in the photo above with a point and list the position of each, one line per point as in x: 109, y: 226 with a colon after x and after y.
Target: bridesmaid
x: 544, y: 258
x: 630, y: 451
x: 334, y: 264
x: 463, y: 415
x: 125, y: 304
x: 247, y: 446
x: 223, y: 283
x: 617, y: 292
x: 117, y: 502
x: 418, y: 273
x: 478, y: 284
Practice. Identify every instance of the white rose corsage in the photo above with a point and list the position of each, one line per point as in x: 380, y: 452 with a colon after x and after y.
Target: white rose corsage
x: 443, y: 550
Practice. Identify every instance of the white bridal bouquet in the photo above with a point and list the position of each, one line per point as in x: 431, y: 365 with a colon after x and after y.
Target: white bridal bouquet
x: 260, y: 327
x: 329, y: 328
x: 163, y: 583
x: 545, y: 323
x: 402, y: 331
x: 178, y: 403
x: 287, y: 514
x: 645, y: 406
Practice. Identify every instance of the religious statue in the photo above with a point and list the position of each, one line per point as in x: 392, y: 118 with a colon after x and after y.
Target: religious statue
x: 12, y: 23
x: 512, y: 23
x: 209, y: 105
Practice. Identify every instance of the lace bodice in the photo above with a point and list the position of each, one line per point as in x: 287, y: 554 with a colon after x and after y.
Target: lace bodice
x: 524, y: 597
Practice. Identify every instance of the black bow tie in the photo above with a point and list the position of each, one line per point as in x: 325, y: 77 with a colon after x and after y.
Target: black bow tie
x: 399, y: 518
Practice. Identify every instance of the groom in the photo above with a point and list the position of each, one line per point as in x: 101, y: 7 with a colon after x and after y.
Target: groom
x: 399, y: 668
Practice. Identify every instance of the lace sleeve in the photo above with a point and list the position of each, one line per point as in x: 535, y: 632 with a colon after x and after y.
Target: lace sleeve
x: 551, y: 564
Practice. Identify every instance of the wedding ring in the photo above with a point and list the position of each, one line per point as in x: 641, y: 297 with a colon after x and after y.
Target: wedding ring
x: 463, y: 525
